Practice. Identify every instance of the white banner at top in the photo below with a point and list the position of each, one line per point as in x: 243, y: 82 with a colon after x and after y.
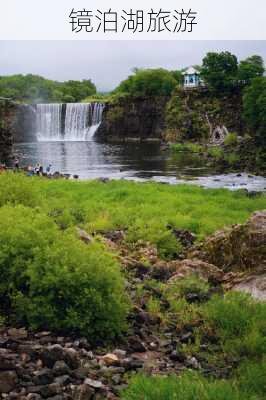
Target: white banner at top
x: 133, y: 20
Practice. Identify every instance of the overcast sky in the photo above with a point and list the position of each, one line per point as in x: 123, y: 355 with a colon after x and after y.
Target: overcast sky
x: 109, y: 62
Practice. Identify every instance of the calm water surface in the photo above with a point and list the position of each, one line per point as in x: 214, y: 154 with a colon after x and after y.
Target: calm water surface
x: 136, y: 161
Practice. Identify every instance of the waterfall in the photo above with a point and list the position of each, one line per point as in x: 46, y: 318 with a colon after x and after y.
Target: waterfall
x: 49, y: 118
x: 73, y: 122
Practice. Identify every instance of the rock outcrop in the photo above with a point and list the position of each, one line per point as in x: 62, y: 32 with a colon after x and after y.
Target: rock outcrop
x: 7, y: 114
x: 131, y: 119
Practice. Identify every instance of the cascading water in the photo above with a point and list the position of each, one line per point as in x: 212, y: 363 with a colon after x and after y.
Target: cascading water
x: 74, y: 122
x: 49, y: 122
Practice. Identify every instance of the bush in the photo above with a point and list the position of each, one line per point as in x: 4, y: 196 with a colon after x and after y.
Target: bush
x: 52, y: 280
x: 231, y: 139
x: 16, y: 188
x: 191, y: 147
x: 216, y: 153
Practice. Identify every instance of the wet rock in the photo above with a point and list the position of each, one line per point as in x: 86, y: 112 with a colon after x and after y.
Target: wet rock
x: 8, y: 381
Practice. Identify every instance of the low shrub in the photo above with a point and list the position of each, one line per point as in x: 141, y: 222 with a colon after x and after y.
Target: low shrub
x: 216, y: 152
x: 231, y: 139
x: 15, y: 188
x: 190, y: 147
x: 52, y: 280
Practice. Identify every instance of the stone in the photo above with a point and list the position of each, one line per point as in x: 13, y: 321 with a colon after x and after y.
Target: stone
x: 83, y: 392
x: 191, y: 266
x: 43, y: 377
x: 17, y: 334
x: 71, y: 357
x: 60, y: 368
x: 8, y: 381
x: 136, y: 345
x: 84, y: 236
x: 239, y: 248
x: 52, y: 354
x: 93, y: 383
x: 110, y: 359
x: 192, y: 362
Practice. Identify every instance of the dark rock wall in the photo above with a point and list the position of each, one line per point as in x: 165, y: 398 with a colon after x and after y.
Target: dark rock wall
x: 7, y: 115
x: 25, y: 123
x: 188, y: 114
x: 139, y: 118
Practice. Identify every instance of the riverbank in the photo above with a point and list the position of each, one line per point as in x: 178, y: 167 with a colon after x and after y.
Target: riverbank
x: 106, y: 279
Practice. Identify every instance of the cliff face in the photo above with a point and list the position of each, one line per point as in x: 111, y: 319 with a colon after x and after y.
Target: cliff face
x: 25, y: 123
x: 138, y: 118
x: 188, y: 114
x: 7, y: 114
x: 199, y: 114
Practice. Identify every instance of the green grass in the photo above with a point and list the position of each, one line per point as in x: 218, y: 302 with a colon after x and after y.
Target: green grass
x: 238, y: 323
x: 189, y: 386
x: 143, y: 209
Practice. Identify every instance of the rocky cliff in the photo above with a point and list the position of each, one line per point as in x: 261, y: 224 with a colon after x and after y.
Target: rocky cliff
x: 201, y: 114
x: 135, y: 118
x: 25, y: 123
x: 189, y: 114
x: 7, y: 115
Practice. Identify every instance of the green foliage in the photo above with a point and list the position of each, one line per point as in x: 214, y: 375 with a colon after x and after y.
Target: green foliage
x: 219, y: 70
x: 189, y: 386
x: 252, y: 377
x: 231, y: 139
x: 51, y: 280
x: 192, y: 147
x: 231, y: 158
x: 216, y: 152
x: 143, y: 210
x: 254, y: 102
x: 251, y: 68
x: 15, y: 189
x: 148, y: 82
x: 240, y: 322
x: 36, y: 89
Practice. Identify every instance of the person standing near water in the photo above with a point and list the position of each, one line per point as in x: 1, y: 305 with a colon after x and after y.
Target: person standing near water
x: 48, y: 170
x: 16, y: 164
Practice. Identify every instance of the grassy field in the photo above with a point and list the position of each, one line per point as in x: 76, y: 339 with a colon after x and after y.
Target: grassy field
x: 142, y: 209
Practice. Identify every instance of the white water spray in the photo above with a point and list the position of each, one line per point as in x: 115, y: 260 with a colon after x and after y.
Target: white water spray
x: 79, y: 122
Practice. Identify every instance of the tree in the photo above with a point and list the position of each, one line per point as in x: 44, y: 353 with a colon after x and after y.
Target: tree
x: 254, y: 102
x: 219, y: 70
x: 36, y: 89
x: 251, y: 68
x: 148, y: 82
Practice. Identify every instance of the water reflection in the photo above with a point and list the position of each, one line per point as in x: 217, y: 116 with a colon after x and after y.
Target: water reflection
x: 138, y: 161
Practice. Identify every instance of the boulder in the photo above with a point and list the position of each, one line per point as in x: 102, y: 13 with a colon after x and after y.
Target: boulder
x: 194, y: 266
x: 239, y: 248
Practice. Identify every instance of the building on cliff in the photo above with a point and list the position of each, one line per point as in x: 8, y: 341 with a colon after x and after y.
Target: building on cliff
x: 192, y: 78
